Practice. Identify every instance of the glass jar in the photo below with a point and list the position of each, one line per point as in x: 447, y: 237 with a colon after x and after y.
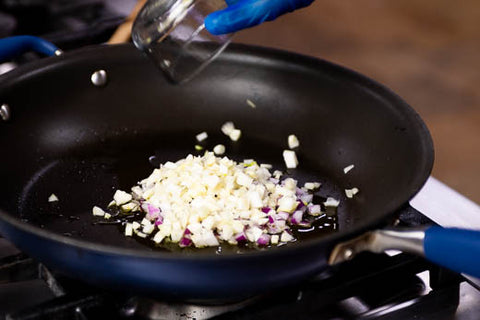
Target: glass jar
x: 173, y: 34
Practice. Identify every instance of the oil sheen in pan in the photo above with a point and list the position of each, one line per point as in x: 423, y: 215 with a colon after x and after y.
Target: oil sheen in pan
x: 92, y: 177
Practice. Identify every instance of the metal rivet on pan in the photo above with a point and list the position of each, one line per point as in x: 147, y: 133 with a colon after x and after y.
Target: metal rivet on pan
x: 99, y: 78
x: 5, y: 112
x: 348, y: 254
x: 58, y: 52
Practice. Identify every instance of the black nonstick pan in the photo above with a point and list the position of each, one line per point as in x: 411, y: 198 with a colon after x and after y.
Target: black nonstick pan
x: 80, y: 141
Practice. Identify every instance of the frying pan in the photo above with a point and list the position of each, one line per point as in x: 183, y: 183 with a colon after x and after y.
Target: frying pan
x: 80, y: 141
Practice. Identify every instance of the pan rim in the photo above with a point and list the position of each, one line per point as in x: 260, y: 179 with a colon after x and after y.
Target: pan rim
x: 241, y: 52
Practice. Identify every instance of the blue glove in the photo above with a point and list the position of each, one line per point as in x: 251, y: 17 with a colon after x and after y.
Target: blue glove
x: 242, y: 14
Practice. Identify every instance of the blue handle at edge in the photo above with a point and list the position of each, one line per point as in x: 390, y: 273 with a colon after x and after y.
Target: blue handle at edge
x: 15, y: 46
x: 242, y: 14
x: 456, y: 249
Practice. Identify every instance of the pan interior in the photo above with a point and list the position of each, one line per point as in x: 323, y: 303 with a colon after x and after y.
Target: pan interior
x: 82, y: 182
x: 82, y: 142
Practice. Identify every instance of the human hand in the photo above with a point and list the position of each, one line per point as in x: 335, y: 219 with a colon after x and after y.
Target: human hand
x: 242, y: 14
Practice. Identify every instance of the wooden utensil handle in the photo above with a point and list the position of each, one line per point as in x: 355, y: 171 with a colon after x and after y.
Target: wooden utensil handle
x: 124, y: 31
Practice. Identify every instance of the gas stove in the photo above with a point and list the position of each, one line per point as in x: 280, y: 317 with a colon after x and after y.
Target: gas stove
x: 387, y: 286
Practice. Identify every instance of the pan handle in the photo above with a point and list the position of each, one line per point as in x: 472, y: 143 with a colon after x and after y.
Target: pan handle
x: 455, y: 249
x: 14, y: 46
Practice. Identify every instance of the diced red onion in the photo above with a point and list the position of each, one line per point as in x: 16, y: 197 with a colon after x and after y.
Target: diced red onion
x: 283, y: 215
x: 300, y: 192
x: 277, y: 227
x: 266, y: 209
x: 300, y: 204
x: 296, y: 217
x: 187, y: 232
x: 306, y: 198
x: 264, y: 239
x: 152, y: 211
x: 241, y: 237
x: 185, y: 242
x: 281, y: 224
x: 273, y: 180
x: 314, y: 209
x: 159, y: 221
x: 271, y: 219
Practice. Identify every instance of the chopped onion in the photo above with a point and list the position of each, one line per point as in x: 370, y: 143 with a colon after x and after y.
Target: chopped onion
x: 52, y: 198
x: 286, y: 237
x: 201, y: 136
x: 283, y: 215
x: 290, y: 159
x: 266, y: 209
x: 219, y: 149
x: 287, y: 204
x: 312, y: 185
x: 274, y: 180
x: 314, y: 210
x: 185, y: 242
x: 296, y: 217
x: 274, y: 239
x: 228, y: 127
x: 251, y: 104
x: 331, y: 202
x: 159, y: 221
x: 129, y: 207
x: 351, y: 192
x: 98, y: 212
x: 348, y: 168
x: 235, y: 134
x: 306, y: 198
x: 201, y: 200
x: 301, y: 205
x: 121, y: 197
x: 241, y: 237
x: 152, y: 211
x: 263, y: 240
x: 147, y: 229
x: 128, y: 230
x: 293, y: 141
x: 159, y: 236
x: 253, y: 233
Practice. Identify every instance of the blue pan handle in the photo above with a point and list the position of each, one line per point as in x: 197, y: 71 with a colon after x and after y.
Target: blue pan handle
x: 15, y: 46
x: 455, y: 249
